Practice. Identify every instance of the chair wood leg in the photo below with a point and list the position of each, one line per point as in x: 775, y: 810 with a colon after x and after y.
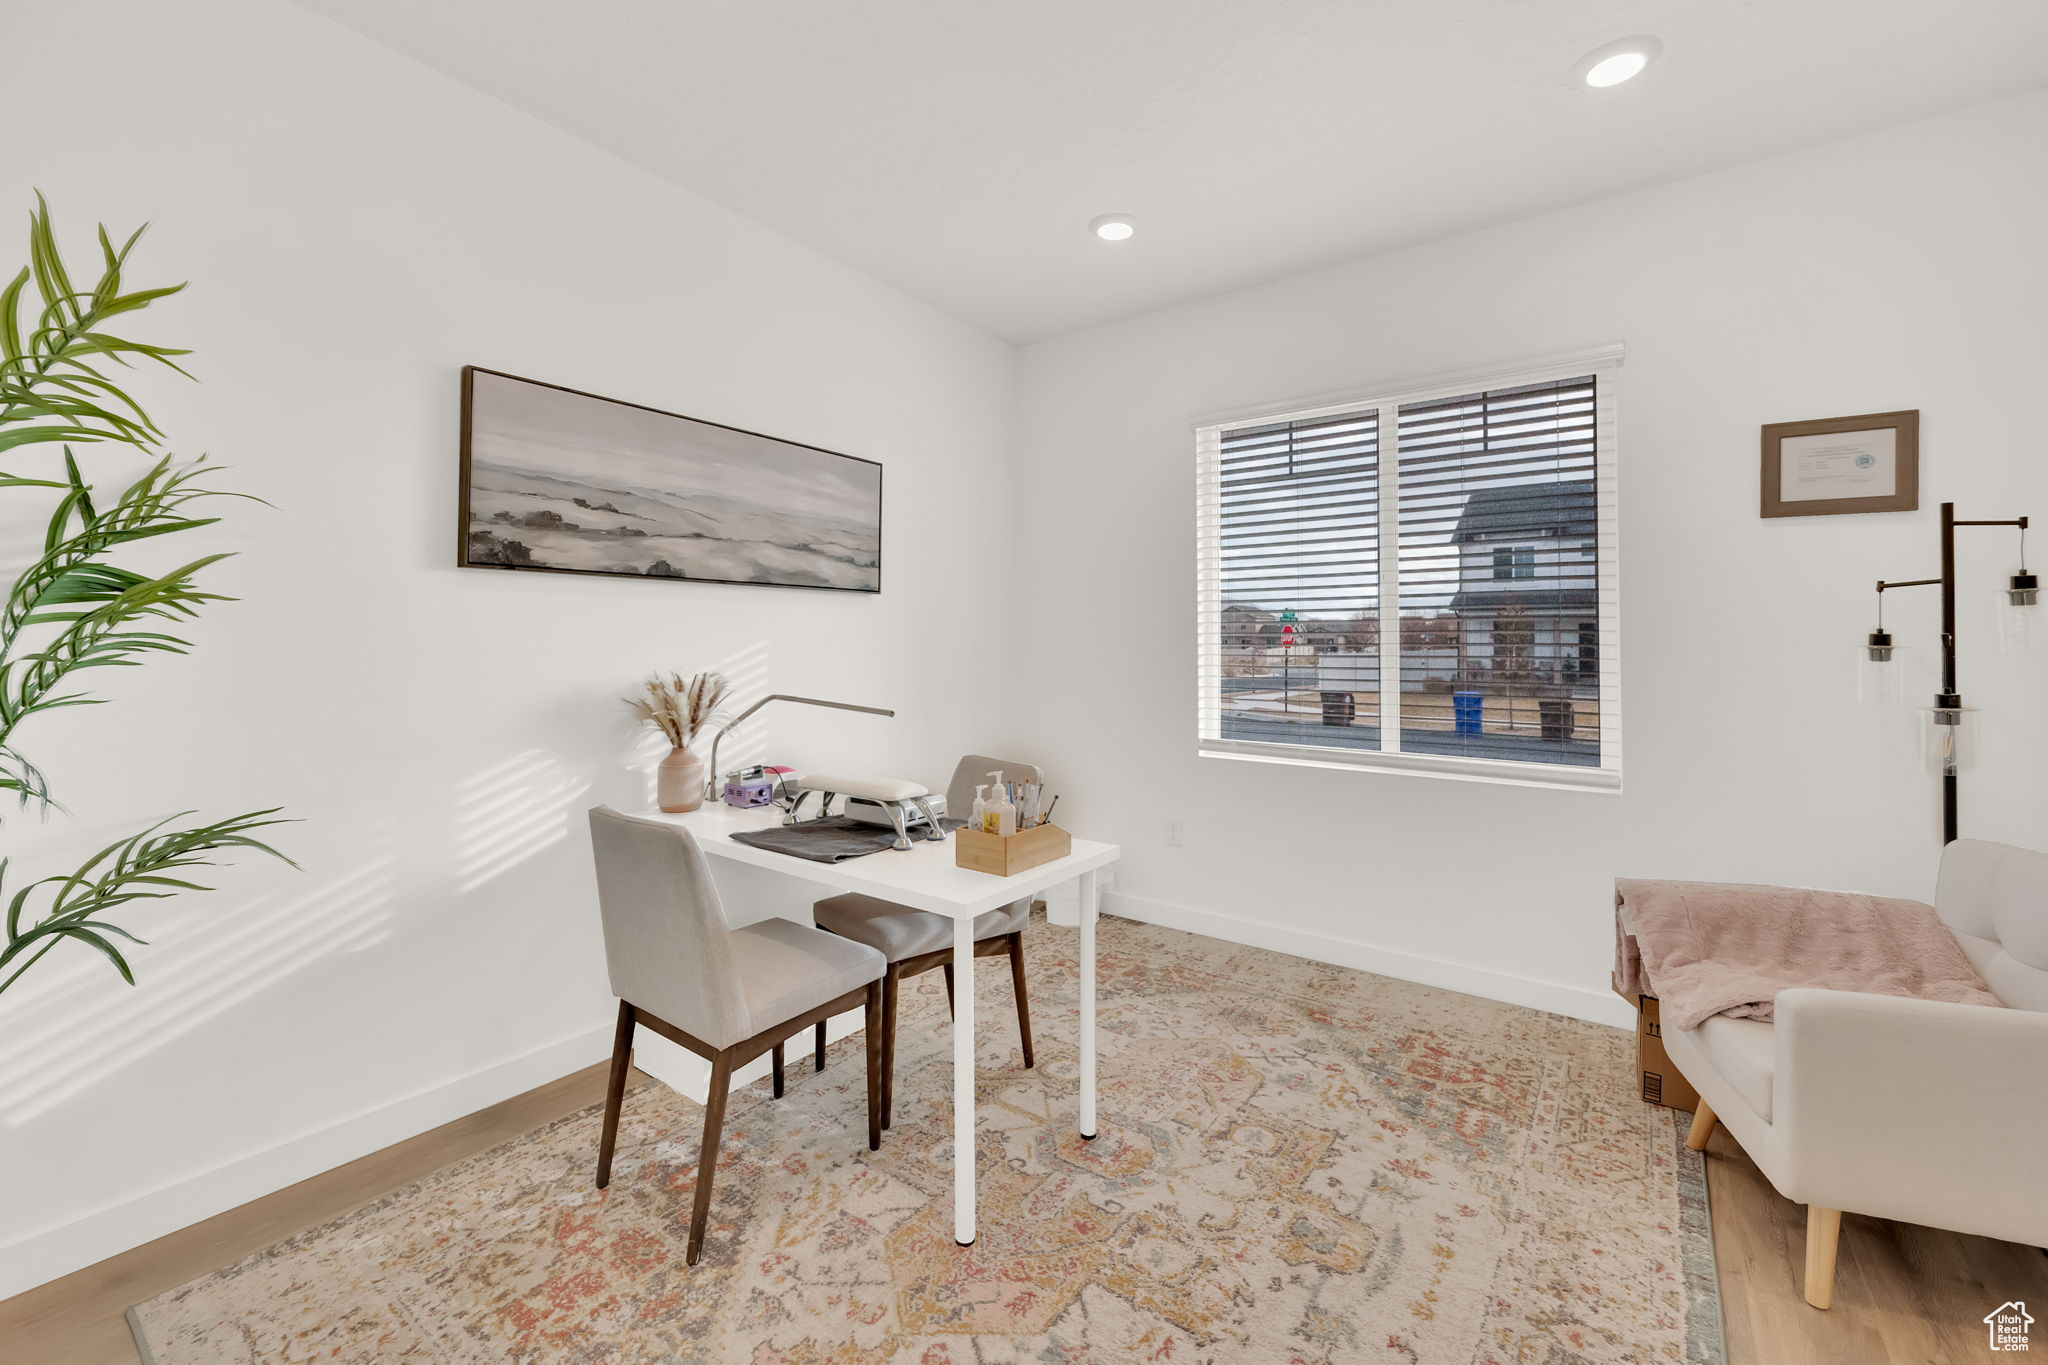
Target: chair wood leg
x: 1023, y: 1003
x: 1823, y: 1235
x: 615, y: 1093
x: 1702, y: 1128
x: 821, y: 1045
x: 775, y: 1068
x: 707, y: 1160
x: 949, y: 991
x: 874, y: 1041
x: 889, y: 990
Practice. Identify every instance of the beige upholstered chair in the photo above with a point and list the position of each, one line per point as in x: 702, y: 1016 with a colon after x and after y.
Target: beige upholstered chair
x: 916, y: 941
x: 1918, y: 1110
x: 727, y: 995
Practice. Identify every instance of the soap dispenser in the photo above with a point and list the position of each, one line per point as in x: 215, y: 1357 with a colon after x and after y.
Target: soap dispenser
x: 980, y: 807
x: 1001, y: 816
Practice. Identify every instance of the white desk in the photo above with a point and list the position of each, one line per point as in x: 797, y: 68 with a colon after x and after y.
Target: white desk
x: 926, y: 879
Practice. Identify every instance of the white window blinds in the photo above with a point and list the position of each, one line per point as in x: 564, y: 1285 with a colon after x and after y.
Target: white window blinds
x: 1496, y: 621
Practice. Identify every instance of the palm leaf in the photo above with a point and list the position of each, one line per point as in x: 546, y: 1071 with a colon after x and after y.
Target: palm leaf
x: 125, y: 871
x: 10, y: 319
x: 74, y: 608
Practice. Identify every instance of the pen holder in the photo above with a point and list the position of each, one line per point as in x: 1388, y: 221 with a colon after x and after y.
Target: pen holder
x: 1005, y: 855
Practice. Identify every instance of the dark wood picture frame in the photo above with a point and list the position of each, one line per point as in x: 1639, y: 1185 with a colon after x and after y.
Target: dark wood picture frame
x: 1905, y: 494
x: 464, y: 526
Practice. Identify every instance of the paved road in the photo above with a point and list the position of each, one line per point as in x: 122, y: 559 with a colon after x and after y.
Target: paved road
x: 1509, y: 748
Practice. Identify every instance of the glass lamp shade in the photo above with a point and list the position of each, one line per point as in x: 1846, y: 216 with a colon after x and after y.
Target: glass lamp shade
x: 1879, y: 673
x: 1949, y: 738
x: 2019, y: 615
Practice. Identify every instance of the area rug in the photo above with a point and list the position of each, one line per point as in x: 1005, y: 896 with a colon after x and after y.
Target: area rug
x: 1298, y: 1165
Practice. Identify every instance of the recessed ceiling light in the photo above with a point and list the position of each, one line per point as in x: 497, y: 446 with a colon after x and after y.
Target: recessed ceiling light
x: 1113, y: 227
x: 1618, y: 61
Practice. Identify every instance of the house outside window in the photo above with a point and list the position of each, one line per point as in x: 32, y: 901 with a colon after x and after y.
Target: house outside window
x: 1456, y: 536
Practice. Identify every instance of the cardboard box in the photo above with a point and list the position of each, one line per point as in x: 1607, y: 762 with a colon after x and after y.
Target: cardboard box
x: 1007, y: 855
x: 1658, y: 1080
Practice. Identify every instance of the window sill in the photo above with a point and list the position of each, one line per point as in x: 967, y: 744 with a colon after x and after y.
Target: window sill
x: 1603, y: 781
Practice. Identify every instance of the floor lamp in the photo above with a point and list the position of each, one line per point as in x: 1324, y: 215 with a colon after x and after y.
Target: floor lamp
x: 1948, y: 726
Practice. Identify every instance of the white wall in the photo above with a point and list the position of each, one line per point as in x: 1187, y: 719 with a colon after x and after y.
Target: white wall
x: 1902, y: 270
x: 357, y: 228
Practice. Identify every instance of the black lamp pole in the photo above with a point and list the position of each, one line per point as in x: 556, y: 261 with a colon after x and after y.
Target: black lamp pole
x: 1949, y: 699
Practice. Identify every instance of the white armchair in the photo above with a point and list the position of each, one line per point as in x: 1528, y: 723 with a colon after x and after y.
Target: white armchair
x: 1916, y: 1110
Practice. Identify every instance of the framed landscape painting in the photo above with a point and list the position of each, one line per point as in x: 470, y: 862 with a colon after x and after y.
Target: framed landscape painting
x: 560, y: 481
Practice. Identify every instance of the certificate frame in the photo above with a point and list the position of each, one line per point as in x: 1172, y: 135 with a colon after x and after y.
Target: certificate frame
x: 1903, y: 494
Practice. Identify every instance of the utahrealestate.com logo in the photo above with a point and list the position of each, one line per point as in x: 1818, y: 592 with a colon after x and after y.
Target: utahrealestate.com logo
x: 2008, y: 1324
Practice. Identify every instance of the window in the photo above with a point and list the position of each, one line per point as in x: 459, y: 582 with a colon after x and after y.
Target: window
x: 1517, y: 563
x: 1488, y: 501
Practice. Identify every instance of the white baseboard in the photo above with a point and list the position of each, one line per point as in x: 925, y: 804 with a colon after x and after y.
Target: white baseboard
x: 44, y: 1254
x: 1600, y: 1007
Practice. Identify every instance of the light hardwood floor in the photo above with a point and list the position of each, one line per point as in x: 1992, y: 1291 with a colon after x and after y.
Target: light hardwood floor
x: 1903, y: 1295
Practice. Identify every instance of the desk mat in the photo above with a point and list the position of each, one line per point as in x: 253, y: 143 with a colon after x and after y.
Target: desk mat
x: 831, y: 840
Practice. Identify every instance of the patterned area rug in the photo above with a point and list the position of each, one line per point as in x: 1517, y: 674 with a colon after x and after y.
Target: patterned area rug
x: 1299, y: 1165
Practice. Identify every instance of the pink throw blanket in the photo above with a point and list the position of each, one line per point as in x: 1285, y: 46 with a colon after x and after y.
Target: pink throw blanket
x: 1712, y: 948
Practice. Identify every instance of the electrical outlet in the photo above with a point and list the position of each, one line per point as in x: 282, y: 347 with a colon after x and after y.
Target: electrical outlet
x: 1173, y: 834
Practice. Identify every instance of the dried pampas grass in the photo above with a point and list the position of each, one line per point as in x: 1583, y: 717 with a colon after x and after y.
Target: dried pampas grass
x: 680, y: 707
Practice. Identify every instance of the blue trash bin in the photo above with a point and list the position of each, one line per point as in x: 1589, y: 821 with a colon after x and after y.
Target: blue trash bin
x: 1468, y: 711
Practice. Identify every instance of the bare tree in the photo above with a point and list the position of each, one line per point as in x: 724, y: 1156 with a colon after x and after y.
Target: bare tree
x: 1429, y: 632
x: 1514, y: 644
x: 1360, y: 634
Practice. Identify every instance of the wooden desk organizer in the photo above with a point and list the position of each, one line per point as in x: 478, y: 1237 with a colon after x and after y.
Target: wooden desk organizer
x: 1006, y: 855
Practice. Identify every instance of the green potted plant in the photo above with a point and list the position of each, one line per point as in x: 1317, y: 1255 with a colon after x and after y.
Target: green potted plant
x: 75, y: 607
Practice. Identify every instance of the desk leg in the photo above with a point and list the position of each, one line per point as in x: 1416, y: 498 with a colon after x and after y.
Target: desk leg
x: 963, y: 1080
x: 1088, y: 1005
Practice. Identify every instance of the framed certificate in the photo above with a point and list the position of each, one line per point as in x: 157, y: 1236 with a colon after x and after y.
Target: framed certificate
x: 1842, y: 464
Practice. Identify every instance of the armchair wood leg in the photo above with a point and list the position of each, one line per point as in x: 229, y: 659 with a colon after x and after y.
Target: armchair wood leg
x: 615, y: 1093
x: 949, y: 990
x: 821, y: 1045
x: 889, y: 986
x: 707, y: 1160
x: 1702, y: 1128
x: 724, y: 1061
x: 874, y: 1042
x: 775, y: 1068
x: 1023, y: 1003
x: 1823, y: 1235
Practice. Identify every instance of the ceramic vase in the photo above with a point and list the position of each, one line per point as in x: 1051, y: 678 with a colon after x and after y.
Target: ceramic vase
x: 679, y: 781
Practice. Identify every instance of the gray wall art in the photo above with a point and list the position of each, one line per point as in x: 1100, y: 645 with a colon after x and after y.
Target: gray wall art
x: 567, y: 482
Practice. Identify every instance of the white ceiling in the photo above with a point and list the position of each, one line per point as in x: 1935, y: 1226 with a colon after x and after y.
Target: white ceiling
x: 958, y: 148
